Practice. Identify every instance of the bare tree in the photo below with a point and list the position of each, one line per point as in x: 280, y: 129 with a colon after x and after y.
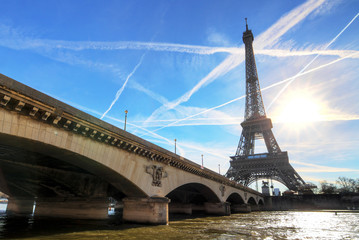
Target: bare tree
x: 328, y: 188
x: 347, y: 185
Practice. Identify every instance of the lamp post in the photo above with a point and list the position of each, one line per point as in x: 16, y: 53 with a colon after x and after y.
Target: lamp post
x: 202, y: 162
x: 175, y: 145
x: 219, y: 168
x: 125, y: 119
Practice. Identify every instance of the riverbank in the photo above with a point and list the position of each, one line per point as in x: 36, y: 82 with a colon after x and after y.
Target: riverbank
x: 329, y: 210
x: 313, y: 202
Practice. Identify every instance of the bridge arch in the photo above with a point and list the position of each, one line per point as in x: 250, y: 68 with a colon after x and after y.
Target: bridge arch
x: 192, y: 193
x: 235, y: 198
x: 237, y: 203
x: 273, y: 178
x: 178, y: 180
x: 38, y: 159
x: 254, y: 205
x: 252, y: 201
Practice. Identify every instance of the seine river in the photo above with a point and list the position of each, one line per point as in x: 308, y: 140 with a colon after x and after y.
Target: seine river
x: 256, y: 225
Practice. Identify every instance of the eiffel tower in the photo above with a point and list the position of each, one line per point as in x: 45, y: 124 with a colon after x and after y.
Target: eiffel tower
x: 247, y: 167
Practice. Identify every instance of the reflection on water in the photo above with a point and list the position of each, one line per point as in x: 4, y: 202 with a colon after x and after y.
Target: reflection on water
x: 257, y: 225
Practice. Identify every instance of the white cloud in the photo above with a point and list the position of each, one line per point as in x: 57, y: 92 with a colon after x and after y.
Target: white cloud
x: 273, y: 34
x: 326, y: 7
x: 216, y: 38
x: 320, y: 168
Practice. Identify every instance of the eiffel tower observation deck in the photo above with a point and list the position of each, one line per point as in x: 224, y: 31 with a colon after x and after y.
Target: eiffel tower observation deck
x: 247, y: 167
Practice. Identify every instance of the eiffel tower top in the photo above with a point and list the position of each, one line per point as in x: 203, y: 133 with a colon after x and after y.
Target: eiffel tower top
x: 248, y: 33
x: 254, y: 103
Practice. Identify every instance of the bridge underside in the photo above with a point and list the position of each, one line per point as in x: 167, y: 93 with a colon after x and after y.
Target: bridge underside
x: 192, y: 193
x: 62, y: 184
x: 196, y: 198
x: 29, y: 174
x: 59, y: 189
x: 35, y: 169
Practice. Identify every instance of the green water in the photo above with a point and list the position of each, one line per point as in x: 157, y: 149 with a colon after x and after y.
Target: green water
x: 257, y: 225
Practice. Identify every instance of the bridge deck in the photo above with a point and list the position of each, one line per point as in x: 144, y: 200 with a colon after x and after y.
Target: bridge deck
x: 16, y: 96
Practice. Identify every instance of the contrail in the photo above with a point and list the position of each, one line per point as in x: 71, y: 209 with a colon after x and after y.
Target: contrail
x: 272, y: 35
x: 217, y: 121
x: 155, y: 135
x: 333, y: 40
x: 268, y: 38
x: 263, y: 89
x: 170, y: 142
x: 228, y: 64
x: 119, y: 92
x: 21, y: 44
x: 289, y: 53
x: 311, y: 70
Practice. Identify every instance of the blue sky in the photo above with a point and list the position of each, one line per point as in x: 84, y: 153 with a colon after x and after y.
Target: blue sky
x: 177, y: 67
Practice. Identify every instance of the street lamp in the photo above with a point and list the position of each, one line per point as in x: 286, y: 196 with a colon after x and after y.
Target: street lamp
x: 219, y: 168
x: 175, y: 145
x: 202, y: 162
x: 125, y: 119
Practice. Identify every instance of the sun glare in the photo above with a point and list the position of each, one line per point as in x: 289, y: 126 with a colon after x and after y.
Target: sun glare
x: 300, y: 110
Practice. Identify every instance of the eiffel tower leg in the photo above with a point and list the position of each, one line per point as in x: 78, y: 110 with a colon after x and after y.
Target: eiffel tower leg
x: 246, y: 143
x: 271, y: 143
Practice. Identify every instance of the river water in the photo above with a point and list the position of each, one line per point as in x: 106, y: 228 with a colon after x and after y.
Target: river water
x: 256, y: 225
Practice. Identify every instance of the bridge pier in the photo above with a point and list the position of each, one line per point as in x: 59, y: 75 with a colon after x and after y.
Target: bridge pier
x: 20, y: 206
x: 268, y: 204
x: 255, y: 208
x: 73, y: 208
x: 241, y: 208
x: 152, y: 210
x: 221, y: 208
x: 185, y: 208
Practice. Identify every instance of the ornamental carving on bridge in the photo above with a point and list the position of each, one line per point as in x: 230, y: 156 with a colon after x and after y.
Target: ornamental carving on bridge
x: 222, y: 188
x: 157, y: 174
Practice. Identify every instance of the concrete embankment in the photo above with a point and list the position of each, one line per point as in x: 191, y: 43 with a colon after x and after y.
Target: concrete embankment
x: 313, y: 202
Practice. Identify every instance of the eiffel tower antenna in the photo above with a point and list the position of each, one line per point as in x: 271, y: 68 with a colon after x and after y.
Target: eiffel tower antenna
x: 247, y: 167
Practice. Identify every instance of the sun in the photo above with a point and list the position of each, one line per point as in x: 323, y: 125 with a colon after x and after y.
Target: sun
x: 300, y: 109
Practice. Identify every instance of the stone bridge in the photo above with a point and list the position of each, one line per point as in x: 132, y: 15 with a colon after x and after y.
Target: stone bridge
x: 70, y: 164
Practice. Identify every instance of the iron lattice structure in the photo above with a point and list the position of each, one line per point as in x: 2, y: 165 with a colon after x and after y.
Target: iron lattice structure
x: 247, y: 167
